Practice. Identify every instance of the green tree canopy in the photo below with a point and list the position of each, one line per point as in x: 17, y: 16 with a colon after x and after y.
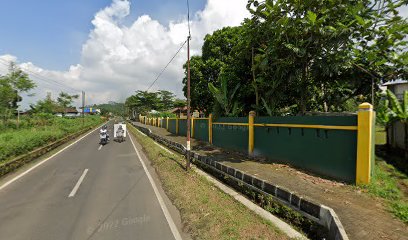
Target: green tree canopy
x: 297, y: 56
x: 11, y: 87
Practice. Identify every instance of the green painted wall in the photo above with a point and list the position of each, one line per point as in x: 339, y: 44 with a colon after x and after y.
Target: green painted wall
x: 201, y: 129
x: 231, y: 137
x: 329, y: 153
x: 172, y: 126
x: 182, y: 127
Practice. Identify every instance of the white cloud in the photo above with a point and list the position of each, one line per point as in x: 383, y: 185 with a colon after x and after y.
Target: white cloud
x: 117, y: 60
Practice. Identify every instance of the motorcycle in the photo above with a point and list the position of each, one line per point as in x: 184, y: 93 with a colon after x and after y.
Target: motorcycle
x: 103, y: 138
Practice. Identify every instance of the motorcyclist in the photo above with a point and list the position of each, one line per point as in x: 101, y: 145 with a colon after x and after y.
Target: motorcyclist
x: 103, y: 130
x: 119, y: 133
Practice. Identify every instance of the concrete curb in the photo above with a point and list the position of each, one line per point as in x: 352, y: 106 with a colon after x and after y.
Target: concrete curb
x: 323, y: 215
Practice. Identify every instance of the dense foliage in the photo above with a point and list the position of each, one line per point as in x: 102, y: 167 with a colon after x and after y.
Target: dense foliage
x: 143, y: 102
x: 48, y: 105
x: 11, y: 86
x: 296, y: 56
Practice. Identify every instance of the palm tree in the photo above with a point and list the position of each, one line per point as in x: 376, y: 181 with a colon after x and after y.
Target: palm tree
x: 399, y: 112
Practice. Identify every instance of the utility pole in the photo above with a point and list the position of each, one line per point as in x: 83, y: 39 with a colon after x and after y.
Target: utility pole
x: 83, y: 107
x: 188, y: 103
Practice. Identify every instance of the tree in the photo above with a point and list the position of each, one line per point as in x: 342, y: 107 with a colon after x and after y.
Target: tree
x: 180, y: 103
x: 48, y: 105
x: 217, y: 54
x: 225, y: 97
x: 143, y: 102
x: 399, y: 112
x: 329, y: 51
x: 11, y: 86
x: 65, y: 100
x: 166, y: 100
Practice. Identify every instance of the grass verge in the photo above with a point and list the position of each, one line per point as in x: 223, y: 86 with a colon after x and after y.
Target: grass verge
x: 15, y: 142
x: 207, y: 213
x: 389, y: 182
x: 391, y: 185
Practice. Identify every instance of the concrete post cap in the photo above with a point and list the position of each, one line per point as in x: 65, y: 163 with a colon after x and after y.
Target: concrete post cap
x: 365, y: 106
x: 252, y: 113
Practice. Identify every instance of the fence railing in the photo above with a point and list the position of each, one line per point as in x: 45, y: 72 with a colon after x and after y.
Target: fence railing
x: 339, y: 147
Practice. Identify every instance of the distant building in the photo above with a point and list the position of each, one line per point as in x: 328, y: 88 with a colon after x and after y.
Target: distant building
x: 67, y: 112
x: 396, y: 131
x: 181, y: 112
x: 397, y: 87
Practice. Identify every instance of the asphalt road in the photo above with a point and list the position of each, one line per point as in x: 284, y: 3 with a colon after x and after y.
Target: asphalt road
x: 88, y: 192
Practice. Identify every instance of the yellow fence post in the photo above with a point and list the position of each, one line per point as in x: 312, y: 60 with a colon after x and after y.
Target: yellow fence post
x: 365, y: 143
x: 251, y: 132
x: 159, y: 124
x: 210, y: 124
x: 167, y: 125
x: 177, y: 126
x: 192, y: 127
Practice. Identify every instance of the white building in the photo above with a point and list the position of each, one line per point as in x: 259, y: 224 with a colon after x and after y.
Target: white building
x: 396, y: 132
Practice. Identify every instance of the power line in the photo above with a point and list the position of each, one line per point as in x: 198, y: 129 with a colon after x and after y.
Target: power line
x: 47, y: 80
x: 158, y: 76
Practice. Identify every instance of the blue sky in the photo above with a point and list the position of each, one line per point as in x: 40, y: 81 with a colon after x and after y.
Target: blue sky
x: 50, y: 33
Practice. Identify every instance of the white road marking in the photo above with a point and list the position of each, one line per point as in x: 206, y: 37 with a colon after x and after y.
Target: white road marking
x: 162, y: 147
x: 43, y: 161
x: 166, y: 212
x: 100, y: 147
x: 73, y: 192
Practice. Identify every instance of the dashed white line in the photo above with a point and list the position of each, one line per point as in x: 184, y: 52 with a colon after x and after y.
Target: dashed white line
x: 73, y: 192
x: 100, y: 147
x: 166, y: 212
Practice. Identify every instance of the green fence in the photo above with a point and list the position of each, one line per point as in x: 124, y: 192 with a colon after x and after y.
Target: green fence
x: 201, y: 129
x: 328, y: 152
x: 172, y: 126
x: 182, y: 127
x: 233, y: 137
x: 340, y: 147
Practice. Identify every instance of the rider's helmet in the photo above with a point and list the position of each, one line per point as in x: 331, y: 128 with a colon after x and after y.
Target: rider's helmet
x: 104, y: 127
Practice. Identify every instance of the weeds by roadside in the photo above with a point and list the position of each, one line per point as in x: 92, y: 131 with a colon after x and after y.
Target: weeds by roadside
x: 391, y: 185
x: 14, y: 142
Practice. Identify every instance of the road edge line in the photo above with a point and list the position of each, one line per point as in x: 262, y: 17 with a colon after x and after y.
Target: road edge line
x: 166, y: 212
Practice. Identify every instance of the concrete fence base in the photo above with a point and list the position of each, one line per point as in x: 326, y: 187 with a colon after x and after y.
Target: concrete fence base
x: 323, y: 215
